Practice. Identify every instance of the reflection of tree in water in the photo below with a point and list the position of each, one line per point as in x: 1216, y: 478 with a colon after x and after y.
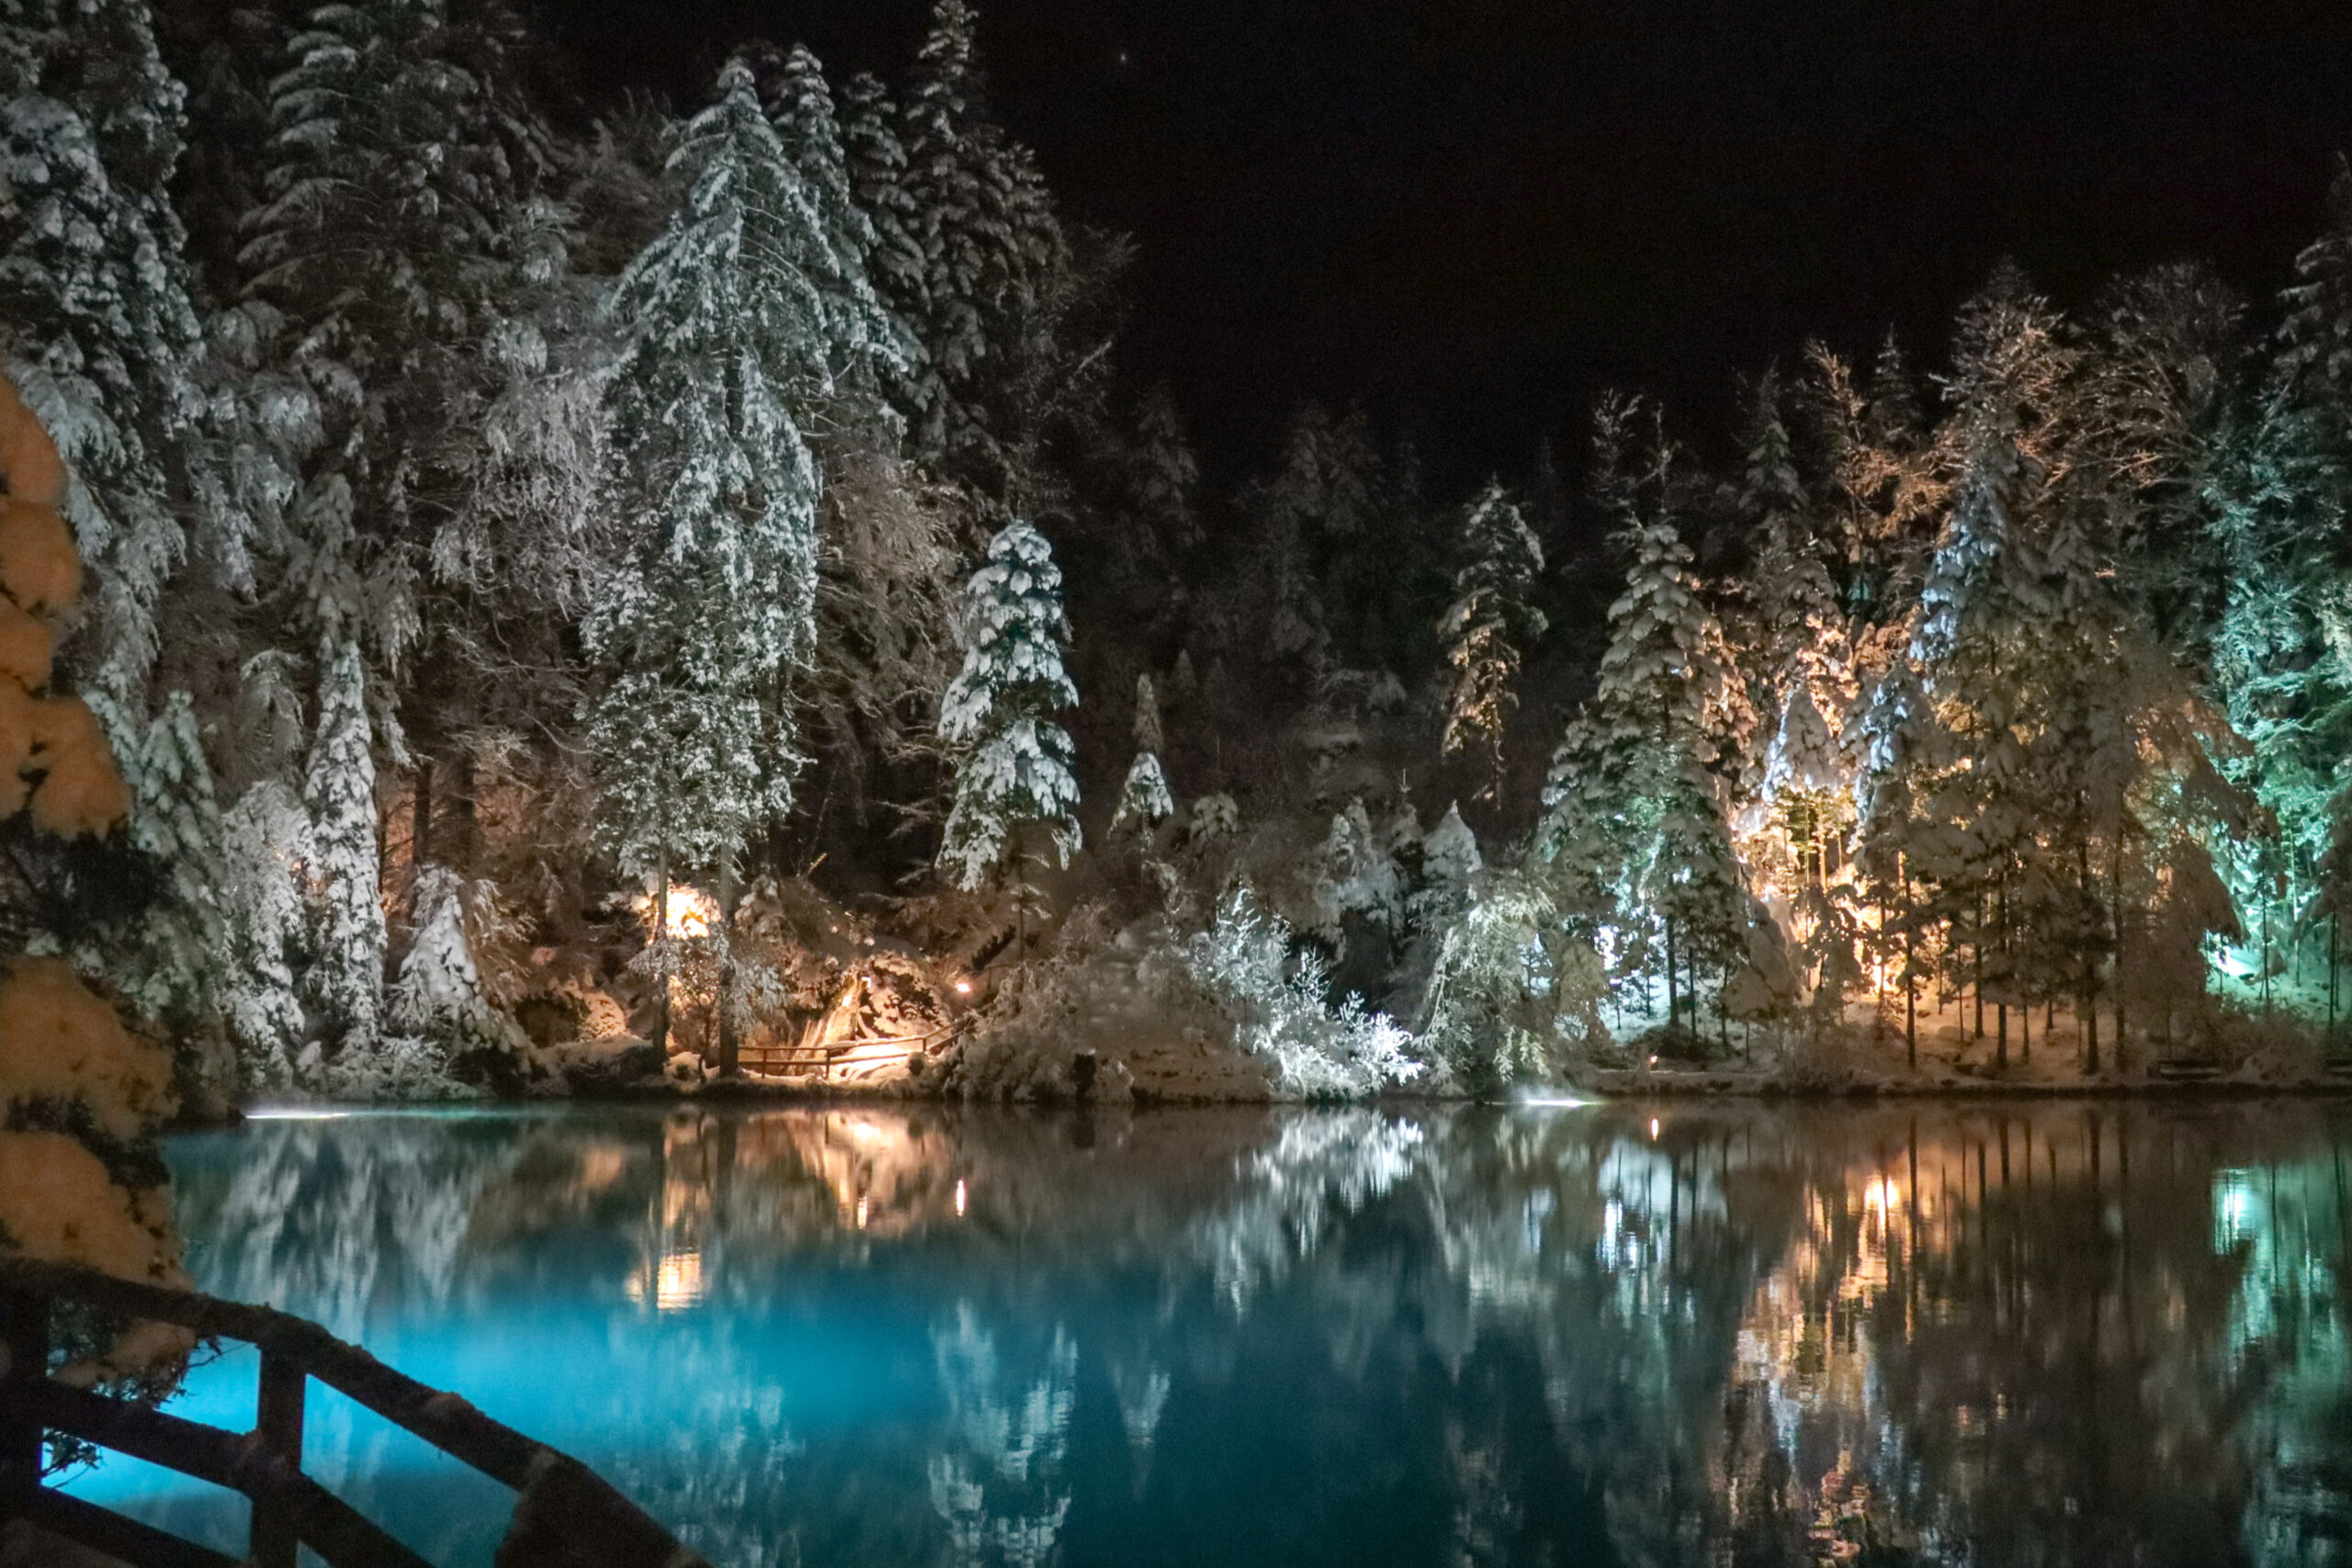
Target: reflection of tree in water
x: 997, y: 1481
x: 332, y: 1218
x: 2039, y: 1335
x: 2049, y: 1337
x: 1321, y: 1163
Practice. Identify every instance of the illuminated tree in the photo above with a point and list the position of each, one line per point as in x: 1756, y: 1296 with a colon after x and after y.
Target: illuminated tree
x: 1635, y: 827
x: 1014, y: 774
x: 1500, y: 560
x: 105, y: 342
x: 741, y: 318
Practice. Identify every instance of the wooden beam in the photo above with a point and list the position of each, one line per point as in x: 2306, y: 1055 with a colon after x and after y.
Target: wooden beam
x: 595, y: 1511
x: 278, y: 1425
x: 126, y: 1539
x: 325, y: 1523
x: 24, y: 1341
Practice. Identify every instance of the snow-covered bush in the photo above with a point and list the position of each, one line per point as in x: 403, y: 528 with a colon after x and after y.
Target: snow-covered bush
x: 1145, y: 800
x: 1320, y: 1050
x: 439, y: 993
x: 1511, y: 995
x: 1359, y: 877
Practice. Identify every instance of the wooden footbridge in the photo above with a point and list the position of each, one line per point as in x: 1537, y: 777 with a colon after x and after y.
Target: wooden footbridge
x: 565, y: 1515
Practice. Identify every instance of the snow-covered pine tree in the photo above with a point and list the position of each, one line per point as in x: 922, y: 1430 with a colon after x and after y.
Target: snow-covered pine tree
x: 862, y: 337
x: 104, y: 339
x: 875, y: 156
x: 175, y: 819
x: 438, y: 995
x: 743, y: 319
x: 347, y: 978
x: 1491, y: 614
x: 404, y: 272
x: 1145, y: 800
x: 2282, y: 664
x: 1014, y: 773
x: 1796, y: 595
x: 266, y: 846
x: 1635, y: 834
x: 993, y: 253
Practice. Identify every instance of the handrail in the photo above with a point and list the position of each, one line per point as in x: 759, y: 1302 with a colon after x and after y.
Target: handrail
x: 564, y: 1511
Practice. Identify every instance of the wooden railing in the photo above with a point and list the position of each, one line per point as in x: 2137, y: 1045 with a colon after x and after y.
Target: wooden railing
x: 564, y: 1513
x: 821, y: 1061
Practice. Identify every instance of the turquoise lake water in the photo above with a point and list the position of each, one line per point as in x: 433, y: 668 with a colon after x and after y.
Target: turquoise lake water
x: 2063, y: 1333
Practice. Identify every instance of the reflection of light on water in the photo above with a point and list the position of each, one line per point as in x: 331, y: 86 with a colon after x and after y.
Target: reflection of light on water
x: 959, y: 1197
x: 295, y: 1113
x: 1553, y: 1102
x: 1653, y: 1129
x: 861, y: 1210
x: 678, y: 1282
x: 2235, y: 1209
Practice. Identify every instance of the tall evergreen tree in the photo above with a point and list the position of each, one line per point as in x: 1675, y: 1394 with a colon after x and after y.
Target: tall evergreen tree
x: 743, y: 319
x: 395, y: 274
x: 104, y: 337
x: 1145, y: 800
x: 1636, y: 832
x: 1492, y: 612
x: 1014, y: 774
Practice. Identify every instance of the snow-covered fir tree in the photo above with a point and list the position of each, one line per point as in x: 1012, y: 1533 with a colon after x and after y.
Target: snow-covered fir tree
x: 1491, y: 615
x: 399, y: 235
x: 1014, y: 770
x: 1145, y: 800
x: 346, y: 976
x: 1636, y: 833
x: 1800, y: 629
x: 969, y: 202
x: 438, y: 994
x: 743, y: 319
x: 104, y: 338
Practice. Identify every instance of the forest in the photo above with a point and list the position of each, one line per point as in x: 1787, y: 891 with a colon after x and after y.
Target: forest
x: 611, y: 596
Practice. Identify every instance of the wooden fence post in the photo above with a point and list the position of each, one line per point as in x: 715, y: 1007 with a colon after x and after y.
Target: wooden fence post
x: 278, y: 1426
x: 24, y: 1333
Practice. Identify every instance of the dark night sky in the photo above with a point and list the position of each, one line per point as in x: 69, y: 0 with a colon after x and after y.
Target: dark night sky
x: 1474, y: 213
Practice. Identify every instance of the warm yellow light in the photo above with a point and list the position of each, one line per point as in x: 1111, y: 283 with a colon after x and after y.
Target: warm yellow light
x: 964, y: 988
x: 677, y: 1281
x: 861, y: 1210
x: 692, y: 912
x: 959, y: 1197
x: 1653, y: 1129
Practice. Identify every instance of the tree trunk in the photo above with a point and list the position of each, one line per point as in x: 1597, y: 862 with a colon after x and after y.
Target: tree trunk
x: 661, y: 980
x: 420, y: 833
x: 2334, y: 918
x: 465, y: 847
x: 1910, y: 1002
x: 1976, y: 966
x: 1673, y: 1001
x: 730, y: 1054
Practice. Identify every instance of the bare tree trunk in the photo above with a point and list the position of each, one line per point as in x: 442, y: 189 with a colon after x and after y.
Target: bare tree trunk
x: 420, y: 833
x: 1673, y: 1001
x: 662, y: 981
x: 729, y: 1044
x: 2334, y: 918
